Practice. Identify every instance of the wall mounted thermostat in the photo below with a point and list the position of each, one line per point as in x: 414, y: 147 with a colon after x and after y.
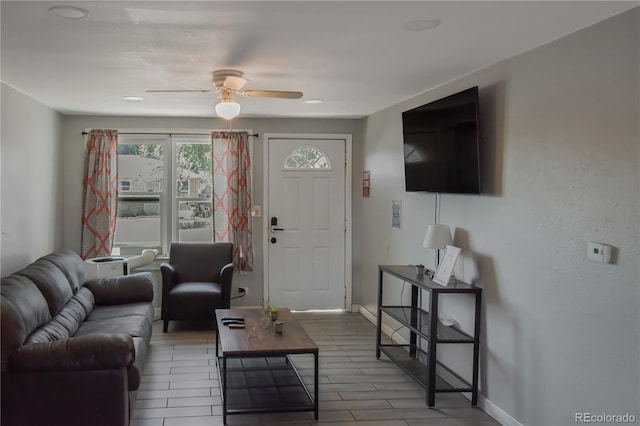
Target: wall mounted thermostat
x: 599, y: 252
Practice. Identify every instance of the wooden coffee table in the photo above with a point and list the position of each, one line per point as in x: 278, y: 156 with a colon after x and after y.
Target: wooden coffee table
x: 255, y: 368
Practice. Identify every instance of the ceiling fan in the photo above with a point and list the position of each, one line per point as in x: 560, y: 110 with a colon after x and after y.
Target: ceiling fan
x: 228, y: 82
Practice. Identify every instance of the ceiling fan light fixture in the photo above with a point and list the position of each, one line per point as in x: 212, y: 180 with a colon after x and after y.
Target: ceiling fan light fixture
x: 421, y: 24
x: 228, y: 109
x: 69, y: 12
x: 133, y: 99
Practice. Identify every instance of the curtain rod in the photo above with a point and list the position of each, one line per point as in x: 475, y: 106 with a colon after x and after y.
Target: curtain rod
x: 169, y: 134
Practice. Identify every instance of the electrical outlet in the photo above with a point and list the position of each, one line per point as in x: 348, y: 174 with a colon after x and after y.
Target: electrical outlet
x: 243, y: 291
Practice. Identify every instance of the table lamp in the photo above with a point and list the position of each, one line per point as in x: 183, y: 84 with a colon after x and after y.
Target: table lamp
x: 437, y: 238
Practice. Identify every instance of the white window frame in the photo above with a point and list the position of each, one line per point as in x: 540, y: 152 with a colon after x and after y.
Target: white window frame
x: 174, y: 223
x: 163, y: 141
x: 169, y: 201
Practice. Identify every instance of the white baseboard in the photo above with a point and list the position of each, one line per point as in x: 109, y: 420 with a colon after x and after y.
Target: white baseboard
x: 386, y: 329
x: 484, y: 404
x: 368, y: 315
x: 496, y: 412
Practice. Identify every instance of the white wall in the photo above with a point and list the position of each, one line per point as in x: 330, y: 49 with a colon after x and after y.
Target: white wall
x: 31, y: 180
x: 73, y: 169
x: 560, y: 333
x: 560, y: 125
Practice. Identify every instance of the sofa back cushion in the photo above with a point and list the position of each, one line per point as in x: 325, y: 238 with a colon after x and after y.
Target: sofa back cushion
x: 23, y: 309
x: 51, y: 282
x: 71, y: 266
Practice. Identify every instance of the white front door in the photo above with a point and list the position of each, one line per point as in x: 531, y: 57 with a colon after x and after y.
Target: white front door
x: 307, y: 220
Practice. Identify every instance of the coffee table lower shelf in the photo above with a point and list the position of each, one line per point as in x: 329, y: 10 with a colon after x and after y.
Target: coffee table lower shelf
x: 263, y: 385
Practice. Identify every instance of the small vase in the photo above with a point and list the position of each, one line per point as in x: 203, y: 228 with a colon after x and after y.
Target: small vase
x: 274, y: 316
x: 279, y: 326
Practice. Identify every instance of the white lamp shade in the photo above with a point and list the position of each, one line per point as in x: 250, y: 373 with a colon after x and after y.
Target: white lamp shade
x: 228, y: 110
x: 437, y: 237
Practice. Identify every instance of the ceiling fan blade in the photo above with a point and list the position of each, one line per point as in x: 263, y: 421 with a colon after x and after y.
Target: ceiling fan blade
x: 271, y: 94
x: 182, y: 91
x: 235, y: 83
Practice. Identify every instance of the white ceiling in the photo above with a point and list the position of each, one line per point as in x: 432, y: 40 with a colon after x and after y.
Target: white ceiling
x: 356, y: 56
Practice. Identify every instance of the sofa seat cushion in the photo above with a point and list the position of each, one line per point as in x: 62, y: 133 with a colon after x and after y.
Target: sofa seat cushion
x: 132, y: 319
x: 131, y: 326
x: 142, y: 309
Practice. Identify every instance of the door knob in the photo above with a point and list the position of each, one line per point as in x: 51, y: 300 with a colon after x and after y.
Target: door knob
x: 274, y: 240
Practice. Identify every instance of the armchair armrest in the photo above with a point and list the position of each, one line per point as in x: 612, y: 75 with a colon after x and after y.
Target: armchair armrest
x: 125, y: 289
x: 169, y: 279
x: 169, y: 274
x: 91, y: 352
x: 226, y: 279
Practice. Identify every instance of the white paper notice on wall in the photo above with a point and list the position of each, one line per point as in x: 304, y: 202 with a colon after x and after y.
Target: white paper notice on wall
x: 443, y: 273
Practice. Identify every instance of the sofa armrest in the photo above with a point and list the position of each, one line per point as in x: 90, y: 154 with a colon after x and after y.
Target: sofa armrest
x: 91, y: 352
x: 124, y: 289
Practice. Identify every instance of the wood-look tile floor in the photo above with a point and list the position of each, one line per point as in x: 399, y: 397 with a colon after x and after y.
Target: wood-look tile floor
x: 180, y: 382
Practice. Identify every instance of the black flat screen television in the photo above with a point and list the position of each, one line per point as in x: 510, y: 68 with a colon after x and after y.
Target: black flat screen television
x: 442, y: 146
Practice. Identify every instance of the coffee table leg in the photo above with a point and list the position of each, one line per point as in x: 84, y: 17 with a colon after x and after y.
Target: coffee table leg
x: 315, y: 383
x: 217, y: 339
x: 224, y: 389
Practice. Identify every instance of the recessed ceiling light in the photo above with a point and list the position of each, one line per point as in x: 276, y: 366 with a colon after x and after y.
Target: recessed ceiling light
x: 421, y: 24
x: 68, y: 12
x: 132, y: 99
x: 313, y: 101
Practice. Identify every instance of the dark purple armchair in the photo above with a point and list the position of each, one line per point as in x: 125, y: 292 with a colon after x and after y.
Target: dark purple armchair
x: 196, y: 281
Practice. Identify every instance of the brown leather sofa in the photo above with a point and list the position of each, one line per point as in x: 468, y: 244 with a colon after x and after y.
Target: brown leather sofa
x: 72, y: 351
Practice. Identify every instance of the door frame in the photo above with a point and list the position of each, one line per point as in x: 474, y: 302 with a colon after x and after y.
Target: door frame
x: 347, y: 207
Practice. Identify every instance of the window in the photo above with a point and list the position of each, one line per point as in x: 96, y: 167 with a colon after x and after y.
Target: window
x: 193, y: 191
x: 306, y: 157
x: 140, y: 184
x: 165, y: 192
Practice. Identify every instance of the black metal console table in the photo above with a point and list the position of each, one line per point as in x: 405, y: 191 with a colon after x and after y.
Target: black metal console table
x: 422, y: 365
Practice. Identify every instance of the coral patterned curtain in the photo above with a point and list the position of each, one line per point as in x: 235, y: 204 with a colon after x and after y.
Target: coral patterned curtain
x: 232, y: 195
x: 100, y: 193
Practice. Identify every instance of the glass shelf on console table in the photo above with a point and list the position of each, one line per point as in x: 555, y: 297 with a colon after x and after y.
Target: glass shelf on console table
x: 421, y: 364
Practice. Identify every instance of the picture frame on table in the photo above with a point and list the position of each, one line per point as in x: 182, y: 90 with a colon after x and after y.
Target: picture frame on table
x: 445, y: 268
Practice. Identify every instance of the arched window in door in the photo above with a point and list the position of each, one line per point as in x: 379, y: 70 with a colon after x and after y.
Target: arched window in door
x: 307, y: 157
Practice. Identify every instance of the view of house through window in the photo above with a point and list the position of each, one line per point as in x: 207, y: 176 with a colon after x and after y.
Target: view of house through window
x: 307, y: 157
x: 165, y: 192
x: 140, y: 186
x: 193, y: 191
